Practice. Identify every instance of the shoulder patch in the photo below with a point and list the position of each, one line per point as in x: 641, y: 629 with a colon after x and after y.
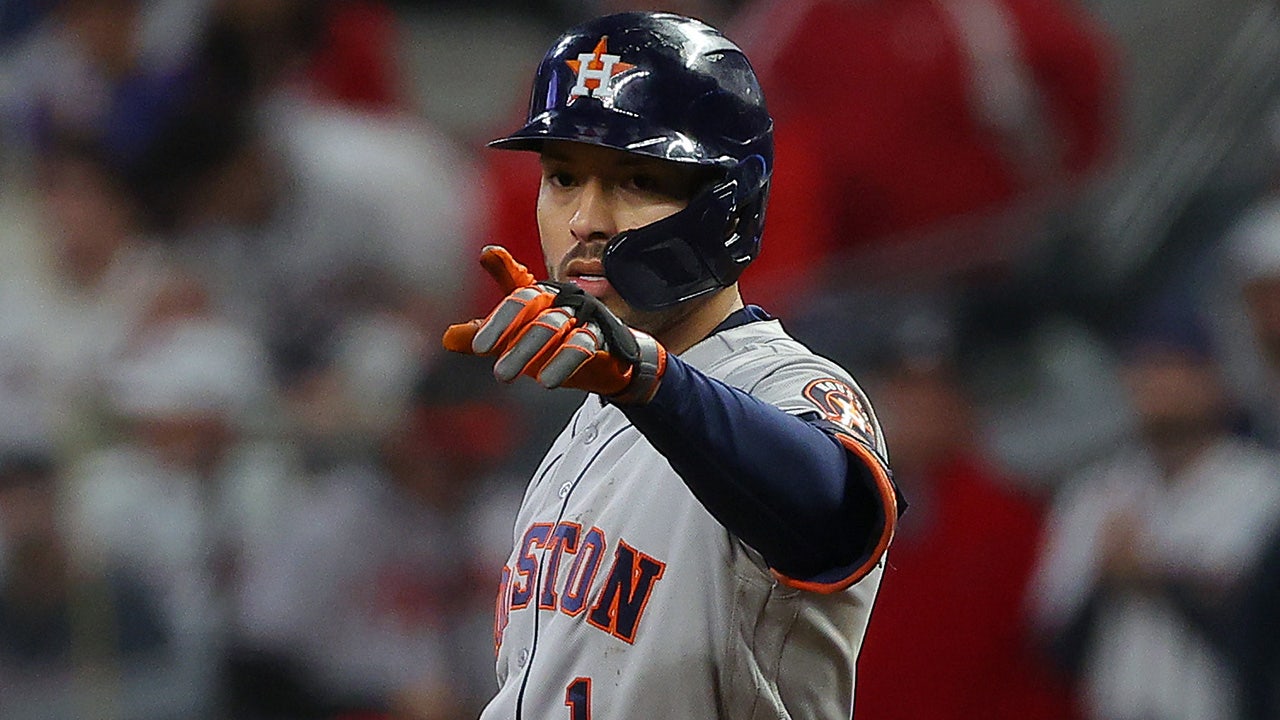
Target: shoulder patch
x: 840, y: 404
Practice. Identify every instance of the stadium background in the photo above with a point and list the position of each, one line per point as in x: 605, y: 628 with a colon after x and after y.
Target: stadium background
x: 238, y: 477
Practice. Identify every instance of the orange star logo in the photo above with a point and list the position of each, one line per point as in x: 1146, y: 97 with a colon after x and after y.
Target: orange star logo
x: 596, y: 71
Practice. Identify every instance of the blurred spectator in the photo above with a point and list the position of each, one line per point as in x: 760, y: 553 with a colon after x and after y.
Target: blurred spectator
x: 306, y: 217
x: 333, y: 51
x: 302, y: 211
x: 270, y: 147
x: 1253, y: 276
x: 186, y: 492
x: 337, y: 242
x: 74, y: 641
x: 376, y: 595
x: 952, y: 637
x: 98, y: 70
x: 67, y: 317
x: 1149, y: 552
x: 941, y: 131
x: 1253, y: 280
x: 114, y: 68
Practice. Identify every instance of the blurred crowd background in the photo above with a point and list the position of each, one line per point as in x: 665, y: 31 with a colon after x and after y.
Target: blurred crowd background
x: 239, y: 479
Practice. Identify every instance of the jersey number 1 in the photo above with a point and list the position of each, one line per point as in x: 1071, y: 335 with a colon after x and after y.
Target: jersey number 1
x: 578, y: 697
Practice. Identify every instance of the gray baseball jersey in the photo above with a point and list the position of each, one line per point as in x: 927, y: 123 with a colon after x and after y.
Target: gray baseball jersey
x: 624, y: 597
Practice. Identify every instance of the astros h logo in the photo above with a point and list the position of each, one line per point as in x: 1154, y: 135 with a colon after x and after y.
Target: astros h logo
x: 596, y: 71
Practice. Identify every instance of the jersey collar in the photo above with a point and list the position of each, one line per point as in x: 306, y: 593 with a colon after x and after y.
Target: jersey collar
x: 742, y: 316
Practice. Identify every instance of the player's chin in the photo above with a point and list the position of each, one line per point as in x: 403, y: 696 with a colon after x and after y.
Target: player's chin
x: 619, y: 307
x: 653, y: 322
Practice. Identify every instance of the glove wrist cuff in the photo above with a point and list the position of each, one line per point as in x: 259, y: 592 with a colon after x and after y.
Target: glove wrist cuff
x: 646, y: 374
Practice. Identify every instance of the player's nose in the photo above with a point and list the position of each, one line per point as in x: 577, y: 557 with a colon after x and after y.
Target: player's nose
x: 593, y: 216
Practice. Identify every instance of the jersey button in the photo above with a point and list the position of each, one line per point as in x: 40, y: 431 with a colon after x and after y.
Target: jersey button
x: 523, y: 657
x: 565, y: 488
x: 589, y: 434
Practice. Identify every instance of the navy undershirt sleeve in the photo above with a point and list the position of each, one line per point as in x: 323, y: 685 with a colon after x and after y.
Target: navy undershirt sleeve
x: 783, y: 485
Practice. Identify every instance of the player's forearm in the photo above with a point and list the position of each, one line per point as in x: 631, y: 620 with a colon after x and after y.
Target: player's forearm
x: 783, y: 485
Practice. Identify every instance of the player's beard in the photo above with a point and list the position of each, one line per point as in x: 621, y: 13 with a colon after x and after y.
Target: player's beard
x: 654, y: 322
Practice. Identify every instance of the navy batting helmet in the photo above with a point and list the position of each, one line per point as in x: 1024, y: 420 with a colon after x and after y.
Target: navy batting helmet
x: 676, y: 89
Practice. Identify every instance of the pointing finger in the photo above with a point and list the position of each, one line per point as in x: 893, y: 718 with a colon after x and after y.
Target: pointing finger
x: 504, y: 269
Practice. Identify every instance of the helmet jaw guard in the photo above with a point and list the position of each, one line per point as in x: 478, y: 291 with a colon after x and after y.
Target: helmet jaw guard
x: 672, y: 260
x: 673, y: 88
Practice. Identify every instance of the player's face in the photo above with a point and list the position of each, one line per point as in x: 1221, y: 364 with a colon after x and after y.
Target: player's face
x: 588, y: 195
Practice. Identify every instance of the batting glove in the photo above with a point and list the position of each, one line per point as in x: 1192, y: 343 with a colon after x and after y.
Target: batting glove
x: 559, y: 336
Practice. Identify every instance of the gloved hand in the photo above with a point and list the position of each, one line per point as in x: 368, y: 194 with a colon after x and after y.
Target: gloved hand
x: 559, y: 336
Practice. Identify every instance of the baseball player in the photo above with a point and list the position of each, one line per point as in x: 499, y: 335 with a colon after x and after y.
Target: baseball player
x: 706, y: 536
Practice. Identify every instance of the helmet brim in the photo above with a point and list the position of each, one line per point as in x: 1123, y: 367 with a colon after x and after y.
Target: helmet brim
x: 604, y: 128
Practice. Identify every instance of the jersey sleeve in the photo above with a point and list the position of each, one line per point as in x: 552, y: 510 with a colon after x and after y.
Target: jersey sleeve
x: 818, y: 390
x: 811, y: 495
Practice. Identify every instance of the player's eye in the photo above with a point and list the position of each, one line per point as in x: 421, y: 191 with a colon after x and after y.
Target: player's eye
x: 560, y: 178
x: 643, y: 183
x: 649, y: 184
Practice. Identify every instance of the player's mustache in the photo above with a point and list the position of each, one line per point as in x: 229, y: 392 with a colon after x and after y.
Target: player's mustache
x: 589, y: 251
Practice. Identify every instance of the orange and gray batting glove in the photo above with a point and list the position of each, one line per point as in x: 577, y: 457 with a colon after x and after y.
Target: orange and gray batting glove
x: 559, y: 336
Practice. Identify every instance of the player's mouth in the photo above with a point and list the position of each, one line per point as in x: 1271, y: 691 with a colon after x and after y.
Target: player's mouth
x: 588, y: 275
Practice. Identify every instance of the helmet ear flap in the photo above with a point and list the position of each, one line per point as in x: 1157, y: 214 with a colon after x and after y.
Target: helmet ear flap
x: 742, y: 239
x: 699, y: 249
